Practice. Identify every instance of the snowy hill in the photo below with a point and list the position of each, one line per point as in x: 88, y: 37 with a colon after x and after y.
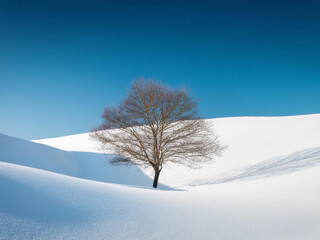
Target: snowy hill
x: 265, y: 186
x: 250, y: 140
x: 86, y: 165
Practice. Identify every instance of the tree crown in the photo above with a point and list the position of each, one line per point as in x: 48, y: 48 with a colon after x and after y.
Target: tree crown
x: 154, y: 125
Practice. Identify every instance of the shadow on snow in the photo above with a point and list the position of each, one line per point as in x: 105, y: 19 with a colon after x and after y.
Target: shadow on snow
x: 91, y: 166
x: 271, y: 167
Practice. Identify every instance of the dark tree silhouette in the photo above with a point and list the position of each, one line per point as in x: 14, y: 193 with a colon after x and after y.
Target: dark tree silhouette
x: 154, y: 125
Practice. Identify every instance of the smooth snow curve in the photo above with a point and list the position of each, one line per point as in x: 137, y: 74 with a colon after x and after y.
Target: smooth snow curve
x: 265, y: 186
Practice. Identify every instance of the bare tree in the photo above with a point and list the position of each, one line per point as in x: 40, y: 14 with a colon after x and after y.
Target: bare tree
x: 154, y: 125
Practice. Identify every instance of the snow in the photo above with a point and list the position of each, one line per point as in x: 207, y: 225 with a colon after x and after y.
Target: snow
x: 265, y: 186
x: 86, y: 165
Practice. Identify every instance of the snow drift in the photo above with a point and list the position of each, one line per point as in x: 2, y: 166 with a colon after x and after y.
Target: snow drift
x: 86, y: 165
x: 265, y: 186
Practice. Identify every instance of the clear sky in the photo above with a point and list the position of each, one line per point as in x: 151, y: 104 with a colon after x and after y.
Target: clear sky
x: 62, y: 62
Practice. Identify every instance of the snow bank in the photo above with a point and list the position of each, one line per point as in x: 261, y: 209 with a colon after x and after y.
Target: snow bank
x: 37, y: 204
x: 250, y: 140
x: 265, y: 186
x: 85, y: 165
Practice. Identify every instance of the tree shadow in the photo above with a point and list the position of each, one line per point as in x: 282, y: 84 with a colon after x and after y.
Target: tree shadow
x: 275, y: 166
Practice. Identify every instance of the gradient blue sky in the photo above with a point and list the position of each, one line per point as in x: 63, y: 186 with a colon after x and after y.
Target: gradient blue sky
x: 61, y: 62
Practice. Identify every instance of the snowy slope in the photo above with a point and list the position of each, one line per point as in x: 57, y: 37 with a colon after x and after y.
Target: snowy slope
x: 44, y: 205
x: 85, y: 165
x: 266, y: 186
x: 250, y: 140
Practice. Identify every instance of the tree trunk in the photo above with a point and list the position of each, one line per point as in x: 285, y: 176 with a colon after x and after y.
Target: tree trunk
x: 155, y: 180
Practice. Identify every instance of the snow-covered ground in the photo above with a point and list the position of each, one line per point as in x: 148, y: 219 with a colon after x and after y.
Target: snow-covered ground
x: 265, y: 186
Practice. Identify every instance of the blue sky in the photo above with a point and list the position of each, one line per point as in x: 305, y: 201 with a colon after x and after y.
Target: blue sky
x: 62, y: 62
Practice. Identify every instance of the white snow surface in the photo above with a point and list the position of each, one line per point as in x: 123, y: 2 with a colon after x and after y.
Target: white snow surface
x: 266, y: 185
